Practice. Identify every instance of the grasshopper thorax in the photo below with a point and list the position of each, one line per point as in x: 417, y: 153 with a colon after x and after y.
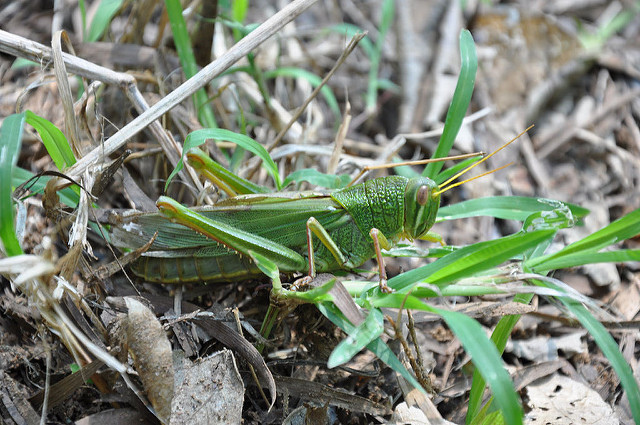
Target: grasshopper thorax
x: 421, y: 203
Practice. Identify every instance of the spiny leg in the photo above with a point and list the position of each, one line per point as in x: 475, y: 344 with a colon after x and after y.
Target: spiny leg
x: 379, y: 240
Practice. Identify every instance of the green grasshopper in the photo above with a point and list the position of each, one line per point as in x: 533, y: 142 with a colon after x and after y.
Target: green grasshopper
x: 352, y: 225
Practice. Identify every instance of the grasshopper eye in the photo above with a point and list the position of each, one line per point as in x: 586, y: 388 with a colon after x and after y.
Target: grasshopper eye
x: 421, y: 207
x: 423, y: 195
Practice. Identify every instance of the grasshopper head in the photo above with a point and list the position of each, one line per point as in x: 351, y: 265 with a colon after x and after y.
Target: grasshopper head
x: 421, y: 203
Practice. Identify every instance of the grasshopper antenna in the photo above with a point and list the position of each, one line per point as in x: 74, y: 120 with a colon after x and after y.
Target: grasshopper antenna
x: 444, y: 187
x: 418, y: 162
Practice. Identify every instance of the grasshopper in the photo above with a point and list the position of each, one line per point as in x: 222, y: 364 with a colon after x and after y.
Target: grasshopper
x: 352, y: 225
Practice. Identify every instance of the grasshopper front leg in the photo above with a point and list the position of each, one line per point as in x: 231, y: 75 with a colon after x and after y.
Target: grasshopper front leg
x: 237, y: 239
x: 379, y: 240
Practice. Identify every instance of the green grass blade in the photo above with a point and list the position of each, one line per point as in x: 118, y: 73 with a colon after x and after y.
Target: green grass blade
x: 238, y: 14
x: 20, y: 63
x: 188, y: 61
x: 471, y: 259
x: 387, y: 14
x: 10, y: 142
x: 377, y: 346
x: 610, y: 349
x: 499, y: 336
x: 83, y: 16
x: 312, y: 79
x: 107, y: 9
x: 384, y: 84
x: 67, y: 196
x: 449, y: 172
x: 590, y: 257
x: 239, y: 10
x: 459, y: 103
x: 621, y: 229
x: 493, y: 418
x: 199, y: 137
x: 483, y: 352
x: 53, y: 139
x: 608, y: 346
x: 317, y: 178
x: 505, y: 207
x: 370, y: 329
x: 349, y: 31
x: 487, y: 361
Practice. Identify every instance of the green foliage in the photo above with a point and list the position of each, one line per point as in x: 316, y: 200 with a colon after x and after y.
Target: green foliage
x: 361, y: 336
x: 313, y: 79
x: 53, y: 139
x: 607, y: 29
x: 10, y: 142
x: 12, y: 176
x: 188, y: 61
x: 107, y: 9
x: 459, y: 103
x: 504, y: 207
x: 388, y: 12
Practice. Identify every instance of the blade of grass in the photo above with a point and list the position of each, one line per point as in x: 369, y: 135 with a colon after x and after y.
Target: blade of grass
x: 387, y: 13
x: 107, y: 9
x: 483, y: 352
x: 53, y: 139
x: 471, y: 259
x: 238, y: 13
x: 608, y: 346
x: 350, y: 30
x: 370, y: 329
x: 499, y: 337
x: 591, y: 257
x: 188, y: 61
x: 10, y: 142
x: 67, y: 196
x: 377, y: 346
x: 459, y: 103
x: 505, y: 207
x: 317, y: 178
x: 313, y: 79
x: 621, y: 229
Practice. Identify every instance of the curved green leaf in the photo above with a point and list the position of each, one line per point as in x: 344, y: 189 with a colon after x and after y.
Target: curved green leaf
x: 370, y: 329
x: 107, y: 9
x: 621, y: 229
x: 53, y: 139
x: 471, y: 259
x: 459, y: 103
x: 10, y: 142
x: 482, y: 350
x: 505, y: 207
x: 377, y: 346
